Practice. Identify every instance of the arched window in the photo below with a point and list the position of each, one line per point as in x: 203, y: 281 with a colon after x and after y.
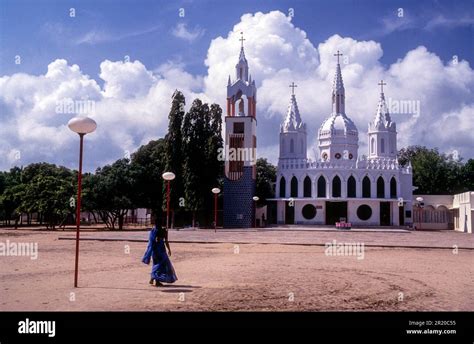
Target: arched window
x: 336, y: 187
x: 393, y: 188
x: 380, y: 187
x: 372, y: 146
x: 292, y: 146
x: 307, y: 187
x: 382, y: 146
x: 366, y: 187
x: 351, y: 187
x: 321, y: 187
x: 294, y: 187
x: 282, y: 187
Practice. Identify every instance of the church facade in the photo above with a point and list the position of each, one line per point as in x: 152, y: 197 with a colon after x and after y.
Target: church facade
x: 367, y: 190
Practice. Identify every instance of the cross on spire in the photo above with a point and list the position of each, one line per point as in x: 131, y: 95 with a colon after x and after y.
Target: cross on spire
x: 292, y: 86
x: 381, y: 84
x: 242, y: 39
x: 338, y: 54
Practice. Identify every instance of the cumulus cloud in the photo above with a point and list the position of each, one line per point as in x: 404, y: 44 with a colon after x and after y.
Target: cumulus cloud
x: 279, y: 53
x: 132, y: 105
x: 130, y: 110
x: 125, y: 79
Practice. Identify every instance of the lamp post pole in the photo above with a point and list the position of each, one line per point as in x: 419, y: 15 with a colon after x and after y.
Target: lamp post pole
x: 420, y: 209
x: 168, y: 204
x: 168, y: 176
x: 255, y: 198
x: 78, y: 209
x: 81, y: 126
x: 215, y: 191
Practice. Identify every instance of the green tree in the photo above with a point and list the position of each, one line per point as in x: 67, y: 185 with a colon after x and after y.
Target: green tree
x: 436, y: 173
x: 266, y: 177
x: 174, y: 150
x: 195, y: 141
x: 111, y: 192
x: 467, y: 176
x: 148, y: 164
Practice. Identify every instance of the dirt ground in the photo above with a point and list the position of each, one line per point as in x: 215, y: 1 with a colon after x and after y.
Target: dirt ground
x: 227, y: 276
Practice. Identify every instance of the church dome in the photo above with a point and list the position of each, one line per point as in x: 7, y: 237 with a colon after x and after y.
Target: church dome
x: 338, y: 123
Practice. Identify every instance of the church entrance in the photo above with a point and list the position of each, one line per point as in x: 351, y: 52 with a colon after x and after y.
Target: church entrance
x: 385, y: 214
x: 289, y: 213
x: 335, y: 211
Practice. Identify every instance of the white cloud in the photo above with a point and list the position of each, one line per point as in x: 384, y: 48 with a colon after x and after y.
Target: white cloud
x: 96, y: 36
x: 190, y: 35
x: 442, y: 21
x: 125, y: 79
x: 133, y: 105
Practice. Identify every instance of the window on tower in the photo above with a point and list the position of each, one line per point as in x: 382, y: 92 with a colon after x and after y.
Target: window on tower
x: 239, y: 127
x: 382, y: 146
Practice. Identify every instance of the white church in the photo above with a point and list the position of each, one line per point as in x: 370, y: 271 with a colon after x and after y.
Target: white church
x: 341, y: 186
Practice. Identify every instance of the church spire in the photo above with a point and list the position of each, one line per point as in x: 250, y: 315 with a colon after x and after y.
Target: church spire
x: 382, y: 116
x: 338, y: 92
x: 293, y: 118
x: 242, y: 68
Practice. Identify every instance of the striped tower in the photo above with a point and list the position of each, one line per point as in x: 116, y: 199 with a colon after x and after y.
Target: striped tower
x: 241, y: 144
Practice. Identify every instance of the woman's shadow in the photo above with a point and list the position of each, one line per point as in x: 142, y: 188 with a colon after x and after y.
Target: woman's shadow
x: 166, y: 288
x: 171, y: 288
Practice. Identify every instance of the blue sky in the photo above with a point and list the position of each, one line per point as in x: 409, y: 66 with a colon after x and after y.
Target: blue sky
x: 167, y: 51
x: 41, y: 31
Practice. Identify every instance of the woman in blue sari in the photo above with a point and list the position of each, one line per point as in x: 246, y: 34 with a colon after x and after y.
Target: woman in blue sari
x: 162, y: 270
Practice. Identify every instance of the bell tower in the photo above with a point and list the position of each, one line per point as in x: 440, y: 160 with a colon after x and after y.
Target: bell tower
x: 240, y: 146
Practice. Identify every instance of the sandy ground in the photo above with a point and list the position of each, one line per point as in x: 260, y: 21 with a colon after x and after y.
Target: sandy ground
x: 244, y: 276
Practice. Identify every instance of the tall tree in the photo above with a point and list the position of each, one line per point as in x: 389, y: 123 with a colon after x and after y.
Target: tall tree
x: 194, y: 143
x: 174, y: 150
x: 203, y: 171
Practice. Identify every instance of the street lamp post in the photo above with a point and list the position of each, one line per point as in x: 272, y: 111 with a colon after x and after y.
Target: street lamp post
x: 255, y: 198
x: 81, y: 126
x: 420, y: 208
x: 168, y: 176
x: 216, y: 192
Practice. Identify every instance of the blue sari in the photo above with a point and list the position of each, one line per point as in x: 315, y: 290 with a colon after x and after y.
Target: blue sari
x: 162, y: 269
